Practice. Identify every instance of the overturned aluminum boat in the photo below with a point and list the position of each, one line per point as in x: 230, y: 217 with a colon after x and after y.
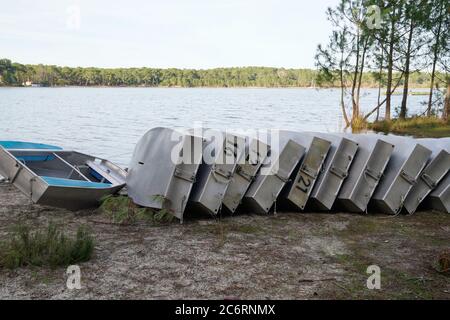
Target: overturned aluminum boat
x: 60, y: 178
x: 439, y: 199
x: 221, y: 154
x: 246, y: 171
x: 437, y: 168
x: 296, y: 192
x: 335, y: 171
x: 407, y: 161
x: 365, y: 172
x: 163, y: 169
x: 285, y: 155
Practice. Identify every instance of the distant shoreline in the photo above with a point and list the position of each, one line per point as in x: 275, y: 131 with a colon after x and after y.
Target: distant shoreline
x: 144, y: 77
x: 216, y: 87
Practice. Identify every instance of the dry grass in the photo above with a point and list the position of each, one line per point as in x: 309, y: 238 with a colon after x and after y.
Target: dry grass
x: 359, y: 124
x: 422, y: 127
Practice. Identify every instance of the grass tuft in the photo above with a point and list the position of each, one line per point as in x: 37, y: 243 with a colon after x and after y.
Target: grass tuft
x: 121, y: 210
x: 359, y: 124
x: 45, y: 247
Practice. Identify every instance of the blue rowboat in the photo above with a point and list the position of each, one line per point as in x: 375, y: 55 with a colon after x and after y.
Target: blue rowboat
x: 59, y: 178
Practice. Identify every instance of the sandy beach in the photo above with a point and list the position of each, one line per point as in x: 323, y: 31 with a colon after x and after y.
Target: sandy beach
x: 283, y: 256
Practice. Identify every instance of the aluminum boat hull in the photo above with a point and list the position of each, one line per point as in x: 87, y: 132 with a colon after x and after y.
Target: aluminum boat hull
x: 275, y: 173
x: 163, y: 169
x: 335, y: 171
x: 365, y: 172
x: 435, y: 171
x: 59, y: 178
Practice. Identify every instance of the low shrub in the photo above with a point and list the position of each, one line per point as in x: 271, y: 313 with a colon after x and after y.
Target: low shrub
x: 45, y: 247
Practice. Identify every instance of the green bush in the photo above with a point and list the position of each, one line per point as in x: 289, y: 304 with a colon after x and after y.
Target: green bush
x: 48, y: 247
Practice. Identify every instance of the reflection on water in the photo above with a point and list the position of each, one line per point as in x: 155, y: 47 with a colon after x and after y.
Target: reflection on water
x: 107, y: 122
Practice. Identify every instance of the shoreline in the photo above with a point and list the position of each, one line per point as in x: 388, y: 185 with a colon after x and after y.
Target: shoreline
x: 217, y: 87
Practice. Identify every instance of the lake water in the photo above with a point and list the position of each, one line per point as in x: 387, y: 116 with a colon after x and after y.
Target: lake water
x: 108, y: 122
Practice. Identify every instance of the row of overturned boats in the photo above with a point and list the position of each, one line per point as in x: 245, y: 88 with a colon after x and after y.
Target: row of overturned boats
x: 208, y: 171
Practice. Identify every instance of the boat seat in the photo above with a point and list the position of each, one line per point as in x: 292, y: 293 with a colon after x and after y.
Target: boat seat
x: 61, y: 182
x: 35, y: 158
x: 101, y: 172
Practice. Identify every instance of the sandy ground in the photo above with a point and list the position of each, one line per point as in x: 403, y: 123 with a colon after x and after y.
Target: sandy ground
x: 286, y: 256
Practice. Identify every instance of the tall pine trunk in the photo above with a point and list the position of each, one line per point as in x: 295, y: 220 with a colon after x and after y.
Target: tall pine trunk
x: 361, y: 70
x: 341, y: 78
x: 446, y: 111
x: 390, y: 67
x: 403, y: 108
x: 380, y: 80
x: 355, y: 113
x: 435, y: 58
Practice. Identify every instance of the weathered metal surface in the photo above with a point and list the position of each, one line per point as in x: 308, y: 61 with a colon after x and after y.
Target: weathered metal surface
x: 298, y: 189
x: 214, y: 178
x: 335, y: 171
x: 256, y: 153
x: 205, y: 170
x: 283, y: 159
x: 65, y: 179
x: 407, y: 161
x: 432, y: 175
x: 365, y: 172
x: 163, y: 169
x: 439, y: 199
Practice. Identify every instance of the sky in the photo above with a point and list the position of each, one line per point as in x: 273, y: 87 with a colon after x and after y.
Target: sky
x: 197, y: 34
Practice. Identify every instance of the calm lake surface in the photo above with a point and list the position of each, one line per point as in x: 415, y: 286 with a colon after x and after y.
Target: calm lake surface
x: 108, y: 122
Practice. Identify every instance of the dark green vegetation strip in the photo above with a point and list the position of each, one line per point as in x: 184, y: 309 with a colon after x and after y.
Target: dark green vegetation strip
x: 50, y: 75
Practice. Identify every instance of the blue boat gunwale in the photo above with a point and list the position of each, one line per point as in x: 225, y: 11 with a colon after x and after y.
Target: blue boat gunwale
x: 71, y: 183
x: 24, y: 145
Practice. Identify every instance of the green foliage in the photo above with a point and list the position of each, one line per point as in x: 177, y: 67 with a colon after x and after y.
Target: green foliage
x: 48, y: 247
x: 48, y: 75
x: 121, y: 210
x: 7, y: 72
x: 407, y: 40
x: 117, y: 209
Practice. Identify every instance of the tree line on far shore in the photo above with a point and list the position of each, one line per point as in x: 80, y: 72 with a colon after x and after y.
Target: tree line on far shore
x: 16, y: 74
x: 393, y: 40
